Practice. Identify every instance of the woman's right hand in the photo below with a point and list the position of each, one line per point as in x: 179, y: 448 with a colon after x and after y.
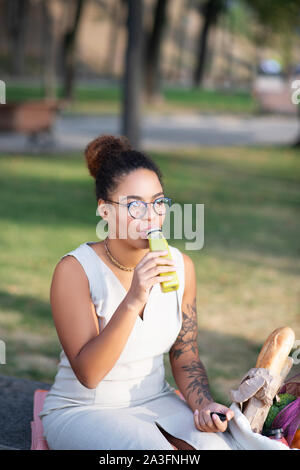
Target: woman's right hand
x: 146, y: 274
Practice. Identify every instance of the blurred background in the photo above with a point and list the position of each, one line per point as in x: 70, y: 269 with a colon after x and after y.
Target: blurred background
x: 206, y: 87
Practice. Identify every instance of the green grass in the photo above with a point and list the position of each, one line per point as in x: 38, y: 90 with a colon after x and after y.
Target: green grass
x: 107, y: 99
x: 209, y: 100
x: 247, y: 271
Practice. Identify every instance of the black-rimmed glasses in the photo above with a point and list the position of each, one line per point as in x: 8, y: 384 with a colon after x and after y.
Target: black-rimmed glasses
x: 137, y: 209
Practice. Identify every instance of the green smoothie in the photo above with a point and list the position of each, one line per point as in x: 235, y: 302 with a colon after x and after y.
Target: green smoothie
x: 157, y: 242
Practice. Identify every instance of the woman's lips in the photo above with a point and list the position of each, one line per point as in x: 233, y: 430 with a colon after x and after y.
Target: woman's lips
x: 143, y: 234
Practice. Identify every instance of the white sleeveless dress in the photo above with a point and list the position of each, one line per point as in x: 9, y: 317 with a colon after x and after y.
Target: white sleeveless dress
x: 121, y: 412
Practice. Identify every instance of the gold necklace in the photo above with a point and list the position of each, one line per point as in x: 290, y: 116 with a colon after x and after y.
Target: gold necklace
x: 113, y: 259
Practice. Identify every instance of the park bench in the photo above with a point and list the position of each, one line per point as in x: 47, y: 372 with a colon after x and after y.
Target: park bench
x: 274, y: 97
x: 34, y: 118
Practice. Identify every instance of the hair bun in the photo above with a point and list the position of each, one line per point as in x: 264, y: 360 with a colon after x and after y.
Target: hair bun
x: 105, y: 146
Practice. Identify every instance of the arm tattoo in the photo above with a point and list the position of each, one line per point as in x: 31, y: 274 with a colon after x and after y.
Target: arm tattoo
x: 199, y: 382
x: 186, y: 342
x: 187, y: 338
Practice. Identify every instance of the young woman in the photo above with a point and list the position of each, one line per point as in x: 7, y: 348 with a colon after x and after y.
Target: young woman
x: 115, y: 324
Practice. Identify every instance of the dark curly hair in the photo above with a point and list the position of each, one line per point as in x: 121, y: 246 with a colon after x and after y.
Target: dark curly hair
x: 110, y: 158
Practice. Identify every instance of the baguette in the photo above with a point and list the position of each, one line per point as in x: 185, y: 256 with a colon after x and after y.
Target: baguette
x: 273, y: 357
x: 276, y: 349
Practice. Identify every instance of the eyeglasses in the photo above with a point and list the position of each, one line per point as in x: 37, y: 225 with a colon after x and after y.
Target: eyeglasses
x: 137, y: 209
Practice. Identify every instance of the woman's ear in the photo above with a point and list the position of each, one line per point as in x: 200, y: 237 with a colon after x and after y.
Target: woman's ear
x: 102, y: 211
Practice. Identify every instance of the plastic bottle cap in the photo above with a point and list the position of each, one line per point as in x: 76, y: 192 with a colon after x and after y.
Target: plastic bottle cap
x: 153, y: 229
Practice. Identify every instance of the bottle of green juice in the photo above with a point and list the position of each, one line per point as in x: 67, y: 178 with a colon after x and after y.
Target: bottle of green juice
x: 157, y: 242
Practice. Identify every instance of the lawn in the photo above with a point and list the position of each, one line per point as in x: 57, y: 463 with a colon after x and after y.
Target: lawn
x: 247, y: 271
x: 107, y: 99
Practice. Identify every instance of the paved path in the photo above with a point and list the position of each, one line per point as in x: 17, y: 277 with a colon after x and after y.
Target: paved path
x: 177, y: 131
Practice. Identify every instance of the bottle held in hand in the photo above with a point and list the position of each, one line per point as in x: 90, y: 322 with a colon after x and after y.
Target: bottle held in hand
x: 157, y: 242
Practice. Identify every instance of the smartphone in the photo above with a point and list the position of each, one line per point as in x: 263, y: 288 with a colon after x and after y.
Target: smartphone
x: 221, y: 415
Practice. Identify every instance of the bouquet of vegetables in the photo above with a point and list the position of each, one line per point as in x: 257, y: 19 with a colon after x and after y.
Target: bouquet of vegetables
x: 270, y: 404
x: 285, y: 412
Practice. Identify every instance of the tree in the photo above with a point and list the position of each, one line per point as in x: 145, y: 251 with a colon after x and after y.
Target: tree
x: 116, y: 15
x: 181, y: 36
x: 68, y: 48
x: 132, y: 80
x: 210, y: 12
x: 49, y: 51
x: 279, y: 19
x: 17, y: 16
x: 153, y: 47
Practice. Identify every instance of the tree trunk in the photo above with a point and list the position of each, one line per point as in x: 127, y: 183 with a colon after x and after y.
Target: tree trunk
x: 152, y: 53
x: 132, y: 81
x: 211, y: 10
x: 49, y: 52
x: 68, y: 51
x: 181, y: 38
x: 116, y: 21
x: 17, y: 20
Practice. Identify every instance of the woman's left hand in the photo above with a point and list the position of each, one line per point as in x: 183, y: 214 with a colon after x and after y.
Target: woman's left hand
x: 207, y: 423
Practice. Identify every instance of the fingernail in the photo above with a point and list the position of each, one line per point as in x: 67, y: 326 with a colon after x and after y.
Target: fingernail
x: 196, y: 412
